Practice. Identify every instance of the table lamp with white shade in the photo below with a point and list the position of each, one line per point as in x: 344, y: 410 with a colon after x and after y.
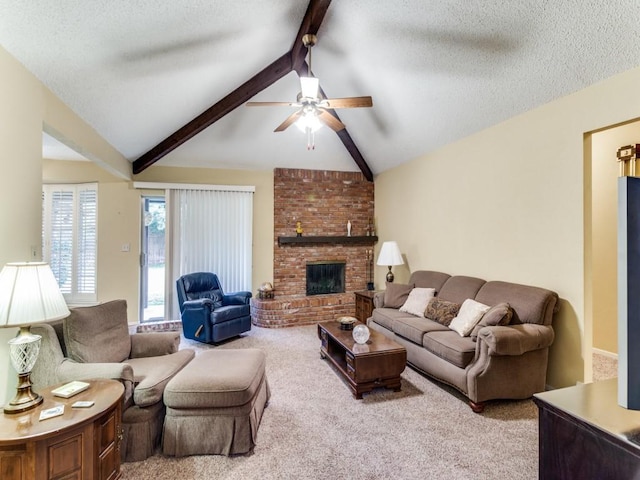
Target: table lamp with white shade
x: 29, y: 294
x: 390, y: 255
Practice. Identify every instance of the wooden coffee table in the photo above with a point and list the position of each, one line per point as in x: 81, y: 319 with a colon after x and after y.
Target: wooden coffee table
x: 378, y: 363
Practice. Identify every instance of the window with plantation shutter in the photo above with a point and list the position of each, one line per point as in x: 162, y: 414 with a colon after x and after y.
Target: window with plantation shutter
x: 69, y: 238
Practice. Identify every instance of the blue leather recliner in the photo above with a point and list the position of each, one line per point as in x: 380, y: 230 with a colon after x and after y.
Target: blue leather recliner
x: 208, y: 315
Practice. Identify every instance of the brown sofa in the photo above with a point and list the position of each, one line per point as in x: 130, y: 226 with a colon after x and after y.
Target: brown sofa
x: 505, y: 361
x: 94, y: 342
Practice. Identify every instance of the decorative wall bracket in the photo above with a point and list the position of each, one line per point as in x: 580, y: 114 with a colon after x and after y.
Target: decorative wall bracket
x: 627, y: 157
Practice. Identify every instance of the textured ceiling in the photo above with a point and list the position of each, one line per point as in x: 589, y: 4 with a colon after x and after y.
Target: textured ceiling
x: 437, y: 70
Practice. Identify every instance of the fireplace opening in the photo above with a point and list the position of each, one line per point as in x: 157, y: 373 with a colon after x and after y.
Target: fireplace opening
x: 325, y: 277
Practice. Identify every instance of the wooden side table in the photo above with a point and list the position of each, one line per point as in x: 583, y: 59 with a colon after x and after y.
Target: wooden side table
x: 364, y: 304
x: 83, y: 443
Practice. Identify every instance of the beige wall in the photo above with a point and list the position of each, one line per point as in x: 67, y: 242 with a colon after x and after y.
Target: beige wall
x: 507, y: 203
x: 20, y: 186
x: 604, y: 207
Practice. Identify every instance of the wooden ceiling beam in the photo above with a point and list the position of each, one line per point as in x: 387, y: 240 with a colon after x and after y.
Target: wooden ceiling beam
x: 347, y: 141
x: 294, y: 59
x: 351, y: 147
x: 239, y: 96
x: 311, y: 22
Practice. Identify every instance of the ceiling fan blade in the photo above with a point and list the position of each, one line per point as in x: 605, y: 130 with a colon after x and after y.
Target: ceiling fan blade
x: 351, y: 102
x: 289, y: 121
x: 272, y: 104
x: 329, y: 120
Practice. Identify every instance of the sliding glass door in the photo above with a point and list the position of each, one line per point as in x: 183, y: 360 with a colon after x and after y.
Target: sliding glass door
x: 152, y: 259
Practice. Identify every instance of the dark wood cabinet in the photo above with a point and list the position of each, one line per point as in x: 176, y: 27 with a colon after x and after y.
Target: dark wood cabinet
x: 584, y: 433
x: 83, y: 443
x: 364, y: 304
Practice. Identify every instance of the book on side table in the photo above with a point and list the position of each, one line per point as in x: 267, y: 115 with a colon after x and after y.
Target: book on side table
x: 70, y: 389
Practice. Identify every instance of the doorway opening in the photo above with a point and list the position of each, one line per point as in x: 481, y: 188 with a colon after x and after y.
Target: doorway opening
x: 152, y: 259
x: 602, y: 173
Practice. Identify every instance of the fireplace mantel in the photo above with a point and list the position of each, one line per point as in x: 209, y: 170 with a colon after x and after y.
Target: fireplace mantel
x: 340, y: 239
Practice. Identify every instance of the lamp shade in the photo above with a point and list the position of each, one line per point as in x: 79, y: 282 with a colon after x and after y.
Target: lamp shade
x: 29, y: 294
x: 390, y: 254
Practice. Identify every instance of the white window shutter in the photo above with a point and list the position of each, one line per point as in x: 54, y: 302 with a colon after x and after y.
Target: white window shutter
x: 86, y: 258
x: 70, y: 239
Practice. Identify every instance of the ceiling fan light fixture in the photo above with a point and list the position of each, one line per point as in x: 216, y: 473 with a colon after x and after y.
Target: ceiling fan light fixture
x: 309, y: 87
x: 308, y: 120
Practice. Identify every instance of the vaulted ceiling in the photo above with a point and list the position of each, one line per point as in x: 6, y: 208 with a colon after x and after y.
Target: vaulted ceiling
x: 437, y: 71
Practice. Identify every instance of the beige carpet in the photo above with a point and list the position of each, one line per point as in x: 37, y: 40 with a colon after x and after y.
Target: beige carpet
x: 313, y: 428
x: 604, y: 367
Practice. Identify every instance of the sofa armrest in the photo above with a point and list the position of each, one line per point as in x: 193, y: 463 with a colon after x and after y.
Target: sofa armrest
x: 154, y: 344
x: 378, y: 300
x: 70, y: 370
x: 516, y: 339
x: 237, y: 298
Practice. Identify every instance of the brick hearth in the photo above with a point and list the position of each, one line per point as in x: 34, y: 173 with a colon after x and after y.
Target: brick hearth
x: 323, y: 201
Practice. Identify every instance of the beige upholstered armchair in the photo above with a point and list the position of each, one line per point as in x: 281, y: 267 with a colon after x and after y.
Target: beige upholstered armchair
x: 94, y: 342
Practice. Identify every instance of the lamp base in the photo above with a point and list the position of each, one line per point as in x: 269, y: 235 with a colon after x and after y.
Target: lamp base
x: 25, y: 398
x: 390, y: 276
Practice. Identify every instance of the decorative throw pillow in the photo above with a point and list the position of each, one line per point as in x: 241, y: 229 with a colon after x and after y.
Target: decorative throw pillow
x: 417, y: 301
x: 441, y: 311
x: 499, y: 314
x: 396, y: 294
x: 98, y: 333
x: 469, y: 315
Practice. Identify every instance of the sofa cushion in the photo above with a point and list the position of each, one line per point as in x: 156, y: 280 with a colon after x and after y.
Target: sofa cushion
x: 396, y: 294
x: 450, y: 346
x: 229, y: 312
x: 238, y: 375
x: 417, y: 301
x: 413, y: 328
x: 441, y: 311
x: 388, y: 316
x: 98, y: 334
x: 529, y: 304
x: 499, y: 314
x: 469, y: 315
x: 151, y: 375
x: 428, y: 279
x: 459, y: 287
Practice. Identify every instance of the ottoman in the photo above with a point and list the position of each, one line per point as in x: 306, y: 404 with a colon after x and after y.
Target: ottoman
x: 215, y: 403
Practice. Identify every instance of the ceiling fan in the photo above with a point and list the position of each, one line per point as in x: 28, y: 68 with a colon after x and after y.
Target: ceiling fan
x: 313, y: 107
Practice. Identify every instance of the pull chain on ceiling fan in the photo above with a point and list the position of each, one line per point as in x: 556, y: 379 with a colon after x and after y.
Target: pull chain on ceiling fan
x: 313, y: 111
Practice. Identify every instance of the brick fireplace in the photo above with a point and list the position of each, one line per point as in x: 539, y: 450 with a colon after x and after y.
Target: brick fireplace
x: 323, y: 201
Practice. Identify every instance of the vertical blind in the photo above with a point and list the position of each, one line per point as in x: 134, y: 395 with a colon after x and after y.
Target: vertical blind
x: 209, y: 231
x: 69, y: 238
